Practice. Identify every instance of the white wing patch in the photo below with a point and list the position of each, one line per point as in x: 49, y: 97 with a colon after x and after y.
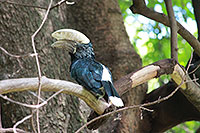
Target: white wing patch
x: 116, y: 101
x: 106, y: 75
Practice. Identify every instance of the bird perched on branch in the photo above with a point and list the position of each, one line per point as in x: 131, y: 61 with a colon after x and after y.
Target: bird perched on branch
x: 89, y: 73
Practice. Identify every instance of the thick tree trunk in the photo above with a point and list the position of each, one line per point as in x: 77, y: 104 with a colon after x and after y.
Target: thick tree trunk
x: 102, y: 22
x: 17, y: 24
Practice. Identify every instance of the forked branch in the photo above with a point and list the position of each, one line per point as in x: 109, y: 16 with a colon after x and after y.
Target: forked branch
x: 139, y: 7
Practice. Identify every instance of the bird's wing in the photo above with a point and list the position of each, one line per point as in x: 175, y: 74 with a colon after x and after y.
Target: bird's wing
x: 96, y: 69
x: 93, y: 76
x: 88, y: 74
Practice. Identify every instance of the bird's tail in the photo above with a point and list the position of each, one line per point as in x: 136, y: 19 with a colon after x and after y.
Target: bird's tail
x: 113, y: 96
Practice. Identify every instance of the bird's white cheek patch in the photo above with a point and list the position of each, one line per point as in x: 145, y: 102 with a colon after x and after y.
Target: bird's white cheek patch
x: 106, y: 75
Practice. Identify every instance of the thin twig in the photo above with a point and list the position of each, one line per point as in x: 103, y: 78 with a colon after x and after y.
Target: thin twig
x: 8, y: 130
x: 29, y: 116
x: 194, y: 77
x: 21, y: 121
x: 195, y: 69
x: 131, y: 107
x: 40, y: 7
x: 189, y: 63
x: 29, y: 105
x: 34, y: 94
x: 37, y: 60
x: 173, y: 29
x: 58, y: 92
x: 187, y: 69
x: 19, y: 103
x: 32, y: 123
x: 143, y: 108
x: 16, y: 56
x: 61, y: 2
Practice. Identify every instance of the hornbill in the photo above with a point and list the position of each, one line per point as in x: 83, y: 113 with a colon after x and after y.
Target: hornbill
x: 89, y: 73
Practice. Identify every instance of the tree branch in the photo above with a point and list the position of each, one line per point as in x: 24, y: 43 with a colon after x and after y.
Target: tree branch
x: 191, y: 90
x: 22, y: 84
x: 196, y: 5
x: 142, y: 9
x: 142, y: 106
x: 173, y: 29
x: 144, y: 74
x: 167, y: 66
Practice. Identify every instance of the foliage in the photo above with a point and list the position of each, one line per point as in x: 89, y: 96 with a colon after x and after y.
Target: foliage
x: 124, y: 4
x: 151, y: 40
x: 188, y: 127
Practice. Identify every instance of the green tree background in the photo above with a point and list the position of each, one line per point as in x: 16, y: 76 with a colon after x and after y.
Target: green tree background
x: 151, y: 40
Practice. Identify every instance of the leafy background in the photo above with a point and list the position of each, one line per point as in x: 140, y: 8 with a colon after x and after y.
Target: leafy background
x: 151, y: 40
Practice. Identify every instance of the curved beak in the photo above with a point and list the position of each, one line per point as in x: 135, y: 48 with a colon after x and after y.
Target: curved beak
x: 65, y: 44
x: 64, y: 40
x: 68, y: 39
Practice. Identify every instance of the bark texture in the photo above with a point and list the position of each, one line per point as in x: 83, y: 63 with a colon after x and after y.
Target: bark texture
x: 102, y: 22
x: 17, y: 24
x: 169, y: 113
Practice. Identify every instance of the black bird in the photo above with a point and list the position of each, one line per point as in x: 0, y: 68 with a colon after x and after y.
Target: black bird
x: 89, y: 73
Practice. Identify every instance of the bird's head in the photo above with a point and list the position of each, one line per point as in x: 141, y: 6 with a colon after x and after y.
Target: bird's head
x: 70, y: 40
